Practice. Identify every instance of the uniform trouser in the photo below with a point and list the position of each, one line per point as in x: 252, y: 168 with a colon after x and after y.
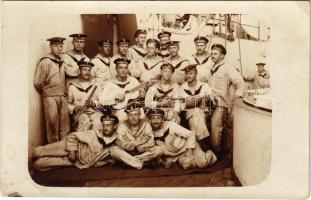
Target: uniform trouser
x: 121, y: 155
x: 197, y: 158
x: 56, y: 117
x: 87, y: 121
x: 217, y: 127
x: 197, y: 123
x: 51, y: 155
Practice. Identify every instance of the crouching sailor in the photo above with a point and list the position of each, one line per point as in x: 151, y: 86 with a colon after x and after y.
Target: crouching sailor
x: 175, y: 143
x: 83, y: 149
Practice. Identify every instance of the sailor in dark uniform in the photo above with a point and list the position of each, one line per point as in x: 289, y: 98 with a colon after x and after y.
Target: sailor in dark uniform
x: 165, y: 38
x: 138, y: 51
x: 201, y: 57
x: 101, y: 61
x: 72, y: 57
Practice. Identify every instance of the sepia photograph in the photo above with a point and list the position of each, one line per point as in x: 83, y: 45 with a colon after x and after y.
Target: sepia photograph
x: 153, y: 98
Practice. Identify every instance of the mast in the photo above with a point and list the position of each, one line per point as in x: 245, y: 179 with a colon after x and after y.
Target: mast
x: 240, y: 57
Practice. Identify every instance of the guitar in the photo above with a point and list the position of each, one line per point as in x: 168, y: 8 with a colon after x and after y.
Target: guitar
x: 122, y: 103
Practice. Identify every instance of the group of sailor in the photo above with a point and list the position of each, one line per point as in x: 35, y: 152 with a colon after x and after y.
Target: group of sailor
x: 146, y: 104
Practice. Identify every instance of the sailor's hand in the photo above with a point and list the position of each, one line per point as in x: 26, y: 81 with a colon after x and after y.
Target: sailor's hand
x: 235, y: 98
x: 72, y: 156
x: 89, y: 103
x: 77, y: 109
x: 120, y: 97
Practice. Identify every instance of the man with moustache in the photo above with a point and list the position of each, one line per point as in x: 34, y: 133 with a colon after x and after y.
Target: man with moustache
x: 115, y: 93
x: 201, y: 58
x: 220, y: 77
x: 101, y: 61
x: 163, y: 93
x: 123, y: 46
x: 138, y: 51
x: 72, y: 57
x: 175, y: 143
x: 165, y: 38
x: 134, y: 137
x: 177, y: 61
x: 49, y: 81
x: 82, y: 149
x: 81, y: 93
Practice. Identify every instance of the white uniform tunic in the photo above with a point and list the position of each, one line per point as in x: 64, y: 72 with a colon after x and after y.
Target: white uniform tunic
x: 196, y: 114
x: 137, y: 53
x: 77, y: 96
x: 204, y: 65
x: 149, y: 68
x: 113, y: 88
x: 101, y: 71
x: 178, y: 64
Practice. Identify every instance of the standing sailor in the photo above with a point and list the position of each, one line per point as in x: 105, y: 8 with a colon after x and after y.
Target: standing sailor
x: 137, y: 52
x: 123, y: 45
x: 177, y: 61
x: 201, y: 58
x: 49, y: 81
x: 72, y: 57
x: 150, y: 65
x: 101, y: 61
x: 80, y: 94
x: 220, y: 77
x: 165, y: 38
x: 163, y: 94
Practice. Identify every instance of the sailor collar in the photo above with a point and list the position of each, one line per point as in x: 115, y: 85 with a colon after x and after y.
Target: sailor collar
x: 142, y: 125
x: 139, y: 50
x: 72, y: 53
x: 77, y: 84
x: 206, y: 58
x: 161, y: 132
x: 121, y: 84
x: 197, y: 91
x: 102, y: 59
x: 171, y: 85
x: 216, y: 67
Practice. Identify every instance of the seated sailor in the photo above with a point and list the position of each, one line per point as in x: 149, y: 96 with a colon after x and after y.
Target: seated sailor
x: 175, y: 143
x: 177, y: 61
x: 138, y: 51
x: 164, y: 93
x: 149, y: 66
x: 101, y: 69
x: 134, y: 137
x: 119, y: 90
x: 82, y: 149
x: 195, y: 98
x: 81, y: 91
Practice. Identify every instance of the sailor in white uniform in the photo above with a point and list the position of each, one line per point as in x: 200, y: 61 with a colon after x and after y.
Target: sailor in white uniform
x: 138, y: 51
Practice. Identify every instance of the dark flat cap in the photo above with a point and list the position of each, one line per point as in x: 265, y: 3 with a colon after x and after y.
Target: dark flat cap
x: 140, y: 31
x: 156, y: 111
x: 122, y: 60
x: 83, y: 63
x: 201, y: 39
x: 56, y: 40
x: 78, y: 35
x: 123, y: 41
x: 102, y: 42
x: 219, y: 47
x: 109, y: 117
x: 164, y: 34
x: 189, y: 67
x: 133, y: 105
x: 167, y: 66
